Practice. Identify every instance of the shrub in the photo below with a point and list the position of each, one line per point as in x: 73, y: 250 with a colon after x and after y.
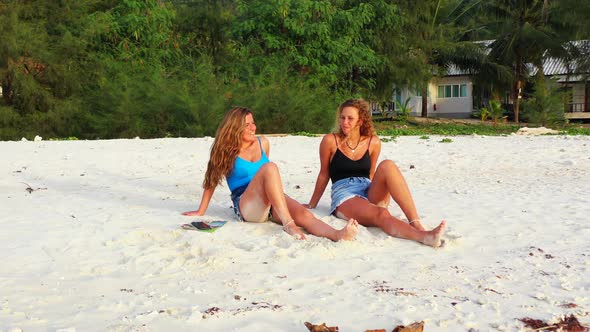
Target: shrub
x: 546, y: 107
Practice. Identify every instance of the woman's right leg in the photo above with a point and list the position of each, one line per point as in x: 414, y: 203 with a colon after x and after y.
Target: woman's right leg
x: 368, y: 214
x: 266, y: 190
x: 389, y: 181
x: 304, y: 218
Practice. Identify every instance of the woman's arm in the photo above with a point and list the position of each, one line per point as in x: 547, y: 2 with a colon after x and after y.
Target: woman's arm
x: 327, y: 149
x: 205, y: 199
x: 374, y: 151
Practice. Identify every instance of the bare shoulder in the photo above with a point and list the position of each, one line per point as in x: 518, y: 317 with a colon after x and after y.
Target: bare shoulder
x: 265, y: 143
x: 375, y: 143
x: 263, y: 139
x: 375, y: 140
x: 328, y: 141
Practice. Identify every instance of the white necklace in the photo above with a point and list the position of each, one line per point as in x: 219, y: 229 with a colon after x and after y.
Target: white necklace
x: 356, y: 146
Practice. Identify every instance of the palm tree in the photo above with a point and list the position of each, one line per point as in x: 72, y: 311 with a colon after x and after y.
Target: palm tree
x: 436, y: 37
x: 529, y: 32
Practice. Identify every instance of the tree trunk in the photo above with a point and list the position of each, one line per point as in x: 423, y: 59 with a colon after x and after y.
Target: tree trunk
x: 517, y: 99
x: 517, y: 88
x: 424, y: 101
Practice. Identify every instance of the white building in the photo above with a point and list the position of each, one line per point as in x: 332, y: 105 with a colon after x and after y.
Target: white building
x: 451, y: 96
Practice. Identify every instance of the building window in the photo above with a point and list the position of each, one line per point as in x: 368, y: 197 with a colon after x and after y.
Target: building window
x: 452, y: 91
x: 463, y: 92
x: 398, y: 95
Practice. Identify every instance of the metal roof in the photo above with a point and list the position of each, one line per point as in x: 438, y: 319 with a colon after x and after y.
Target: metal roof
x: 551, y: 66
x: 554, y: 66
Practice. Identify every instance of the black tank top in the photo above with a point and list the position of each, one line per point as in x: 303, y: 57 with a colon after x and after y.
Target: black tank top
x: 342, y: 167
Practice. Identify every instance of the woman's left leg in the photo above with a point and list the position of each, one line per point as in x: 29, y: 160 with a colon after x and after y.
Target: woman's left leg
x: 388, y: 181
x: 266, y: 190
x: 304, y: 218
x: 369, y: 214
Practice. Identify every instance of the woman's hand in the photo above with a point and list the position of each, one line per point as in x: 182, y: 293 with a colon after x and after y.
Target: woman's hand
x: 193, y: 213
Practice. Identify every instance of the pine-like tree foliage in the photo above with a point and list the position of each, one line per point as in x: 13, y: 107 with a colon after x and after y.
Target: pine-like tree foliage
x: 154, y: 68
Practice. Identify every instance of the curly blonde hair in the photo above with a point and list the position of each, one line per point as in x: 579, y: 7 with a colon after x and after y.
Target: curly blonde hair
x: 226, y: 146
x: 364, y: 115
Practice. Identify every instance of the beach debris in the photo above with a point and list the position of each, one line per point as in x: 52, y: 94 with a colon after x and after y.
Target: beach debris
x: 30, y: 189
x: 383, y: 287
x: 257, y: 306
x: 492, y: 290
x: 565, y: 324
x: 535, y: 131
x: 320, y: 328
x: 547, y: 256
x: 414, y: 327
x: 569, y: 305
x: 267, y: 305
x: 20, y: 170
x: 211, y: 311
x: 412, y: 166
x: 248, y: 308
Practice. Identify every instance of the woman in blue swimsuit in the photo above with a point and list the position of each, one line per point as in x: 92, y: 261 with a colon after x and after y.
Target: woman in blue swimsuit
x: 241, y: 157
x: 361, y: 189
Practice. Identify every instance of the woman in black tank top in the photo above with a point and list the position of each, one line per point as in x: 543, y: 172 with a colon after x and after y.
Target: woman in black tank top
x: 360, y: 189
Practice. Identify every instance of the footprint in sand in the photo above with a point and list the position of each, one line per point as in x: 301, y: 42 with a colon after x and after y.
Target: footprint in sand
x: 450, y: 238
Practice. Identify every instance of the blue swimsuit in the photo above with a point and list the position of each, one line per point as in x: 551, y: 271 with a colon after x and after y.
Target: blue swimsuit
x: 241, y: 175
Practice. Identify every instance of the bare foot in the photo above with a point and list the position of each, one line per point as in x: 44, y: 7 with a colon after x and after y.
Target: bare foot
x: 293, y: 230
x: 433, y: 237
x: 417, y: 225
x: 348, y: 232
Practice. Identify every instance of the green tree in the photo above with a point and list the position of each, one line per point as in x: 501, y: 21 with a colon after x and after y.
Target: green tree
x: 403, y: 110
x: 39, y: 52
x: 496, y: 111
x: 203, y: 27
x: 324, y: 41
x: 546, y: 105
x: 434, y: 41
x: 40, y: 67
x: 529, y: 32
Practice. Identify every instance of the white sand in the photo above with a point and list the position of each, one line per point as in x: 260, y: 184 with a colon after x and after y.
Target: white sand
x: 98, y: 247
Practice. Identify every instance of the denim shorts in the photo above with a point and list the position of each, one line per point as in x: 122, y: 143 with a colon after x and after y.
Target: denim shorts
x: 347, y: 188
x: 236, y: 195
x: 235, y: 199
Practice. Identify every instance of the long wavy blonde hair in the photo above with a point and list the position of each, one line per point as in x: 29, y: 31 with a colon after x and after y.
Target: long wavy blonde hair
x: 226, y: 146
x: 364, y: 115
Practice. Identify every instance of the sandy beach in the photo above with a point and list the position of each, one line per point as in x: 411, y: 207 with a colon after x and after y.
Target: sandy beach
x: 91, y: 240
